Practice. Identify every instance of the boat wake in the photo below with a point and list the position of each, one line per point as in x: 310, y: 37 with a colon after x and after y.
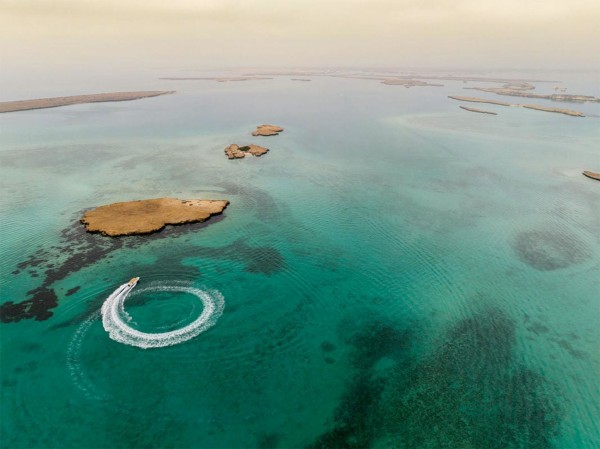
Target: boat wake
x: 116, y: 320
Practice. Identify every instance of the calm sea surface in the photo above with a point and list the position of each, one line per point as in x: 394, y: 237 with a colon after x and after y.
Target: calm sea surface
x: 396, y: 272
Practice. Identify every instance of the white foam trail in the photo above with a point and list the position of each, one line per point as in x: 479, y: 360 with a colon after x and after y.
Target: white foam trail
x: 115, y: 319
x: 73, y: 363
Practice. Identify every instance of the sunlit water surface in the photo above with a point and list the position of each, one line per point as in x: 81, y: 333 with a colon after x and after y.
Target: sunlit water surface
x: 395, y: 272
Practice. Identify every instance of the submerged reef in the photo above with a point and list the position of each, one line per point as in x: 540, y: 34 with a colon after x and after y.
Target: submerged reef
x: 549, y: 250
x: 148, y: 216
x: 436, y: 401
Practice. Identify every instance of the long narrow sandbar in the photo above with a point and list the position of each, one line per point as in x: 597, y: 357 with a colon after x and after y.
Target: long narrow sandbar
x: 55, y: 102
x: 481, y: 111
x: 479, y: 100
x: 592, y: 175
x: 570, y: 112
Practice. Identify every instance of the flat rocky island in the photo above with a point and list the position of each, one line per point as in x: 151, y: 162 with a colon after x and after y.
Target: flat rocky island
x: 234, y: 151
x: 481, y: 111
x: 267, y: 130
x: 149, y: 216
x: 55, y: 102
x: 592, y: 175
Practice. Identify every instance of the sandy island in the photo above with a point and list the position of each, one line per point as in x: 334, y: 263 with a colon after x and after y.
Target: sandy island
x: 592, y: 175
x: 528, y: 106
x: 148, y: 216
x: 267, y: 130
x: 570, y: 112
x: 481, y: 111
x: 409, y: 83
x: 516, y: 91
x: 42, y: 103
x: 234, y: 151
x: 479, y: 100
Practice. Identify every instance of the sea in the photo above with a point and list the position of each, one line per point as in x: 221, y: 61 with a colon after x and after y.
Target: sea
x: 395, y: 272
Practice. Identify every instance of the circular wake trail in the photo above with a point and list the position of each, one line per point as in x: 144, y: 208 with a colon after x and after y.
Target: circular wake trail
x: 115, y: 319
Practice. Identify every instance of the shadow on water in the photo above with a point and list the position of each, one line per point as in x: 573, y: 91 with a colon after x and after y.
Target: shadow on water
x: 437, y: 401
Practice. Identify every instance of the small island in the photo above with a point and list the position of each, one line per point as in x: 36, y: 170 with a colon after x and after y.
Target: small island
x: 149, y: 216
x: 528, y: 106
x: 234, y: 151
x: 479, y: 100
x: 267, y: 130
x: 481, y: 111
x: 55, y: 102
x: 570, y: 112
x: 409, y: 83
x: 520, y: 91
x: 592, y: 175
x: 219, y: 79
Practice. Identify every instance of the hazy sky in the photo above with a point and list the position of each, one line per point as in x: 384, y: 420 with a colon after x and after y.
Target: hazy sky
x: 269, y: 33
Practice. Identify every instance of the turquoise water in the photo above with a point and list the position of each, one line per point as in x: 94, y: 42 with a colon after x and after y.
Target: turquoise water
x: 396, y: 272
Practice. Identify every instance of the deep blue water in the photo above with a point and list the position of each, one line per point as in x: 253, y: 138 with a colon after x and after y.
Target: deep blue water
x: 396, y: 272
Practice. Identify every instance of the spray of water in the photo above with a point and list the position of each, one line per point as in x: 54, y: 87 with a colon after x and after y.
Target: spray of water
x: 116, y: 320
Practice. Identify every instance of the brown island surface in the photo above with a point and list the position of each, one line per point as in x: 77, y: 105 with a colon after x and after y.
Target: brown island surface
x: 235, y: 151
x: 148, y: 216
x: 481, y: 111
x: 592, y: 175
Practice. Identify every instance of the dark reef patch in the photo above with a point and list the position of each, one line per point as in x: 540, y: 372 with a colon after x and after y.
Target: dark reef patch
x: 467, y: 393
x: 356, y: 420
x: 327, y: 346
x: 567, y: 346
x: 549, y: 250
x: 73, y: 290
x: 78, y: 249
x: 268, y: 441
x: 376, y: 340
x: 538, y: 328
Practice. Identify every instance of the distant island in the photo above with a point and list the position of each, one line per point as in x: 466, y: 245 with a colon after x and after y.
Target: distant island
x: 55, y: 102
x: 220, y: 79
x: 519, y: 91
x: 408, y: 82
x: 479, y: 100
x: 234, y: 151
x: 481, y: 111
x: 557, y: 110
x: 528, y: 106
x: 592, y: 175
x: 267, y: 130
x: 149, y: 216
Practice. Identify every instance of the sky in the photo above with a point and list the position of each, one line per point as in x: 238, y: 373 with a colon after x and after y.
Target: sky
x: 467, y: 34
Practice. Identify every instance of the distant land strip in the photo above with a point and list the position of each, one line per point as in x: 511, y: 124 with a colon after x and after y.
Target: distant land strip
x: 479, y: 100
x: 55, y: 102
x: 220, y: 79
x: 570, y: 112
x: 399, y: 75
x: 568, y: 98
x: 481, y: 111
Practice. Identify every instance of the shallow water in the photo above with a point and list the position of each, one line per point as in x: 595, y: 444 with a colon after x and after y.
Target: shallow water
x: 396, y: 272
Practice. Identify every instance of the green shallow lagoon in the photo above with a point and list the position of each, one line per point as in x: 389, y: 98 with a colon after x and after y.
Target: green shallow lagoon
x: 396, y: 272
